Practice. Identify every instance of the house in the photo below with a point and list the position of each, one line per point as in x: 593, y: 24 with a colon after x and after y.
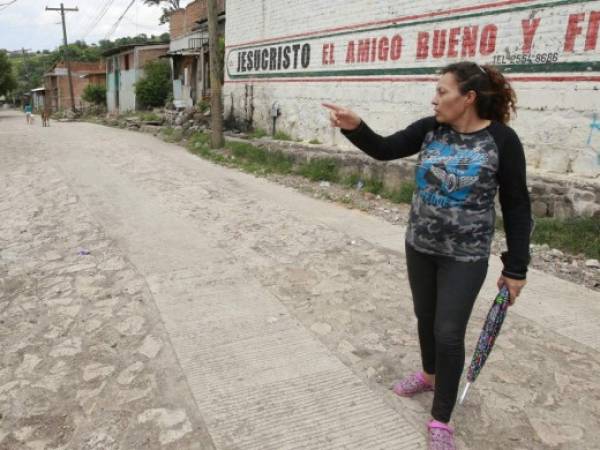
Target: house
x: 124, y: 67
x: 38, y: 98
x: 189, y: 53
x: 56, y: 83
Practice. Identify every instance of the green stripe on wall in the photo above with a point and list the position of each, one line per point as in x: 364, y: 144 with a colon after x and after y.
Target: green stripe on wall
x: 567, y: 67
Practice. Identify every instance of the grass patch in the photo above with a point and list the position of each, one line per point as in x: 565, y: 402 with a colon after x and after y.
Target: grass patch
x: 577, y: 235
x: 199, y: 144
x: 314, y: 141
x: 282, y: 136
x: 257, y: 160
x: 258, y: 133
x: 171, y: 134
x: 574, y: 236
x: 320, y: 169
x: 375, y: 186
x: 402, y: 195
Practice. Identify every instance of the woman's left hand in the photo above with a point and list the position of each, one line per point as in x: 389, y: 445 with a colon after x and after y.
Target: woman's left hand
x: 514, y: 287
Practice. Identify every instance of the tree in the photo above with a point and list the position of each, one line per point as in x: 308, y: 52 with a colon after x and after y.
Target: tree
x: 156, y: 86
x: 95, y: 93
x: 216, y: 68
x: 7, y: 78
x: 171, y: 5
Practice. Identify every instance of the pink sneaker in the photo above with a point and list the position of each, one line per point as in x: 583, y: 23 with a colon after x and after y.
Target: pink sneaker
x: 441, y: 436
x: 411, y: 385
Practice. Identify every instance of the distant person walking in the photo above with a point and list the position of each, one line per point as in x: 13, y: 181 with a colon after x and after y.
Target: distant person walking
x: 466, y: 153
x: 28, y: 113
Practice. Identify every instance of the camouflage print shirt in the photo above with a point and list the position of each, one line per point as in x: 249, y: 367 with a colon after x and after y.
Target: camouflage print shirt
x: 457, y: 178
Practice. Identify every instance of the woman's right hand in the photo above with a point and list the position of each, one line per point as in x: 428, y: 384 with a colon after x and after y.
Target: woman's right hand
x: 343, y: 118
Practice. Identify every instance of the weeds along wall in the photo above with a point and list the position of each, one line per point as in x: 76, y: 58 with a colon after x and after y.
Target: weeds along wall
x: 382, y: 57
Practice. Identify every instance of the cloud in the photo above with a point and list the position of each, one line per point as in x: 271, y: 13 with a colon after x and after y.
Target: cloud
x: 27, y: 24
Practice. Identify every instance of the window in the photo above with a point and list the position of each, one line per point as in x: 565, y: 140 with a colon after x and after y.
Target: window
x: 126, y: 61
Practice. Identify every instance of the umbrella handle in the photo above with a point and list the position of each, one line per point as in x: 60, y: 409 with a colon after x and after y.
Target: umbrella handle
x: 464, y: 394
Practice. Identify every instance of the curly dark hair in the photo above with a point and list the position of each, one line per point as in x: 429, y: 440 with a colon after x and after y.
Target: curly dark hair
x: 496, y: 99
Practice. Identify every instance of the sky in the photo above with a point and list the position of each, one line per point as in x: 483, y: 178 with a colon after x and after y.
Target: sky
x: 26, y: 23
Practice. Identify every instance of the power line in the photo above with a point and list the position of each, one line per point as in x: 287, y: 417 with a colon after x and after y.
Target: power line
x: 62, y: 10
x: 3, y: 6
x: 99, y: 17
x: 116, y: 24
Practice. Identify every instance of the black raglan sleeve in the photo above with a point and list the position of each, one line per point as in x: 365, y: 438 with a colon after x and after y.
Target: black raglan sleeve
x: 403, y: 143
x: 515, y: 203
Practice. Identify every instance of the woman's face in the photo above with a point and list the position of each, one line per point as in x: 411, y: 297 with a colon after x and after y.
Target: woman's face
x: 449, y: 104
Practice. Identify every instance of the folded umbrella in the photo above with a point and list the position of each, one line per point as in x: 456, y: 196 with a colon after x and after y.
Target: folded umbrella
x: 491, y: 329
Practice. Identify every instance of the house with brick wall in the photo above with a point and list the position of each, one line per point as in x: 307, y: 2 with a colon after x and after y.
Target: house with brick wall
x: 124, y: 67
x: 189, y: 53
x: 56, y: 83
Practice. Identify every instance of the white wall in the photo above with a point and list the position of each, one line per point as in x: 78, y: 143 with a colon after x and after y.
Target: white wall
x: 390, y: 89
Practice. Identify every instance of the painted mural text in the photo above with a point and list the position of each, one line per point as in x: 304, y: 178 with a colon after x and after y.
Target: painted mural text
x: 283, y: 57
x: 537, y: 38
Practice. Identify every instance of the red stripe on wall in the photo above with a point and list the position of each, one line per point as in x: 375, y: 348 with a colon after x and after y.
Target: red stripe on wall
x: 406, y: 79
x: 386, y: 21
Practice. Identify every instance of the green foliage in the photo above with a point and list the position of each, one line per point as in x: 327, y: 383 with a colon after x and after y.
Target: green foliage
x: 320, y: 169
x: 155, y: 87
x: 7, y: 79
x: 29, y: 68
x: 171, y: 5
x: 150, y: 117
x: 203, y: 106
x: 94, y: 93
x: 314, y: 141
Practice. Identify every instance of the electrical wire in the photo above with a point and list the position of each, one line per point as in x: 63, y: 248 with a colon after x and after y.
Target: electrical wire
x: 3, y: 6
x: 116, y: 24
x: 98, y: 18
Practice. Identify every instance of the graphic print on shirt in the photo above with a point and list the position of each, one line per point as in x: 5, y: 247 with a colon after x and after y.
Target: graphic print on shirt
x: 447, y: 173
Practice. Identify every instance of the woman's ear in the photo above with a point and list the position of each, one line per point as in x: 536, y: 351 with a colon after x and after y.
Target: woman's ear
x: 471, y: 96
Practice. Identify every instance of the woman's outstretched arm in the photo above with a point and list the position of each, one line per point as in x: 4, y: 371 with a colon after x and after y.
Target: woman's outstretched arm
x: 403, y: 143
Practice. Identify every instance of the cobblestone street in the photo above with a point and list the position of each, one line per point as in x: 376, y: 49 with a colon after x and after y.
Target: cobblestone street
x: 150, y: 299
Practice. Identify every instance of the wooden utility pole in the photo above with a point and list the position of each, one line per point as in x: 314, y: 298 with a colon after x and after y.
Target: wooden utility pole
x: 62, y: 10
x: 216, y: 102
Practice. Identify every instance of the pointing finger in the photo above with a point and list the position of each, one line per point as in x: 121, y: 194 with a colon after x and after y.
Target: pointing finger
x: 331, y: 106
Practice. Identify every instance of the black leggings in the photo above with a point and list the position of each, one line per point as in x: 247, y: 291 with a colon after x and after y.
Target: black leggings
x: 444, y: 291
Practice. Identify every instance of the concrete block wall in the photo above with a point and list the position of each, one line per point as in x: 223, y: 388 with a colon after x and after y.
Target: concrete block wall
x: 381, y: 58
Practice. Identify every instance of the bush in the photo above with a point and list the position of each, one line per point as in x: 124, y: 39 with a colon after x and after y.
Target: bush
x: 154, y: 89
x: 94, y: 93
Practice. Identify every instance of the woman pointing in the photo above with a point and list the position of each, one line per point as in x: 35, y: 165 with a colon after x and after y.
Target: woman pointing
x: 466, y: 153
